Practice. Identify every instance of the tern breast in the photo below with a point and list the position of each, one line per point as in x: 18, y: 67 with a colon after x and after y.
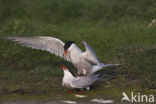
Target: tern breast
x: 75, y: 53
x: 78, y: 60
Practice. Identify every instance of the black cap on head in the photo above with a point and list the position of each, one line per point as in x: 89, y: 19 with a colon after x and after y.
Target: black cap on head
x: 67, y: 45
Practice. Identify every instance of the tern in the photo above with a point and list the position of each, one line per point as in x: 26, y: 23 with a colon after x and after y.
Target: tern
x: 79, y: 82
x: 68, y: 50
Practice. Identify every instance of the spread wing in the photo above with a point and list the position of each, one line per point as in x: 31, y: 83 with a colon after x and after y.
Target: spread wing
x: 89, y: 54
x: 50, y: 44
x: 82, y: 82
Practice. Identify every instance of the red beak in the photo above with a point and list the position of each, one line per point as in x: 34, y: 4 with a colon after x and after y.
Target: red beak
x: 63, y: 67
x: 65, y: 53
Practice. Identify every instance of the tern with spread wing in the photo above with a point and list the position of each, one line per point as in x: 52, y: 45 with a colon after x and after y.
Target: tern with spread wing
x: 69, y: 51
x: 80, y: 82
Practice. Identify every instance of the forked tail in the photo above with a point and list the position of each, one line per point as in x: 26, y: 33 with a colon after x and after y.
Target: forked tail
x: 101, y: 66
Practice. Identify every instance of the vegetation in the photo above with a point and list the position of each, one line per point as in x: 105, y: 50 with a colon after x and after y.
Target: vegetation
x: 115, y: 29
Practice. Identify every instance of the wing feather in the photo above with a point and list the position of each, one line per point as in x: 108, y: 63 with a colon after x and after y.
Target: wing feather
x: 82, y: 82
x: 50, y: 44
x: 89, y: 54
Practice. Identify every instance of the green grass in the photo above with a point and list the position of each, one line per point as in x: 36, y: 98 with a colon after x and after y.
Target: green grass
x: 115, y: 29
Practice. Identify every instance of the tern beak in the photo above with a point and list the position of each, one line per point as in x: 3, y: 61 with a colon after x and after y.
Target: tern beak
x: 63, y: 67
x: 65, y: 53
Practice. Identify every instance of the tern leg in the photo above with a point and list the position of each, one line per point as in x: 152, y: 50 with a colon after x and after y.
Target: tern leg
x: 81, y: 91
x: 70, y: 91
x: 88, y: 88
x: 75, y: 92
x: 84, y: 72
x: 78, y: 73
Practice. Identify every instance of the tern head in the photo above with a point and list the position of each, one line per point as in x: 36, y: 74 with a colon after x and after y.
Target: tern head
x: 67, y: 46
x: 67, y: 73
x: 64, y: 67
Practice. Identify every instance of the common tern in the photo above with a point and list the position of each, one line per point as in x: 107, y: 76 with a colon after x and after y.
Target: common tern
x: 79, y: 82
x: 68, y: 50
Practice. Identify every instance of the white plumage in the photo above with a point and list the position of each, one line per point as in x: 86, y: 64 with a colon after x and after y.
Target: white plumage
x: 81, y: 60
x: 79, y: 82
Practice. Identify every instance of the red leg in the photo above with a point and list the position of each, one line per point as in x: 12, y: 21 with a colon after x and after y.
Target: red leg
x: 81, y: 92
x: 70, y: 92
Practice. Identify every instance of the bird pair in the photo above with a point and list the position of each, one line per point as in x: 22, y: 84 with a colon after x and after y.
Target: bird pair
x: 72, y: 53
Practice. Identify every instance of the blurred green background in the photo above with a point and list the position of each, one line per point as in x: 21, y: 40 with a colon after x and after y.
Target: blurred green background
x: 115, y: 29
